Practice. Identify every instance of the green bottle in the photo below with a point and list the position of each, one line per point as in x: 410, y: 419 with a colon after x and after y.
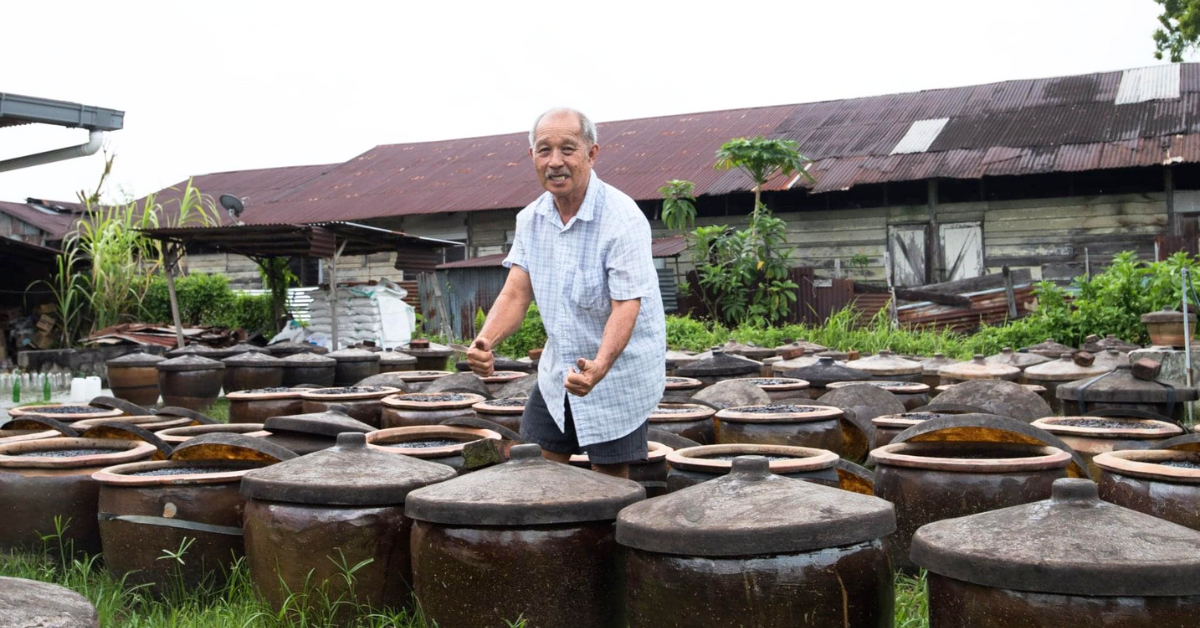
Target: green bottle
x: 16, y: 388
x: 45, y: 388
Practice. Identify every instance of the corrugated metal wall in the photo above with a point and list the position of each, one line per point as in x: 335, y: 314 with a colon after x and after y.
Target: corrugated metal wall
x: 463, y: 292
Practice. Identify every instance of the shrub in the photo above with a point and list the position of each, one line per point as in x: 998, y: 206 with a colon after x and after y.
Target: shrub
x: 531, y: 334
x: 208, y: 300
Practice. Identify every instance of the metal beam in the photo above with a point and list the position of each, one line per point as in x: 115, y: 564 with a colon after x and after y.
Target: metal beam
x: 60, y: 113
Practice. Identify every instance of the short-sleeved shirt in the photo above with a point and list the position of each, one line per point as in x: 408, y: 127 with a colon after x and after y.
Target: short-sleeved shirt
x: 601, y: 254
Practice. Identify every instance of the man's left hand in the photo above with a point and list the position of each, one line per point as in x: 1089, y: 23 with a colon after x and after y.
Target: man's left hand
x: 582, y: 382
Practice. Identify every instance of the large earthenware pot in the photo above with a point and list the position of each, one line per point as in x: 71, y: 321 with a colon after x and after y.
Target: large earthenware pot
x: 177, y: 436
x: 34, y: 428
x: 189, y: 500
x: 528, y: 538
x: 719, y: 366
x: 1110, y: 359
x: 978, y: 368
x: 65, y: 413
x: 1071, y: 560
x: 308, y: 368
x: 353, y: 365
x: 694, y: 465
x: 364, y: 403
x: 1018, y: 359
x: 808, y: 358
x: 134, y: 377
x: 190, y: 381
x: 498, y: 379
x: 889, y: 426
x: 826, y: 371
x: 1119, y: 389
x: 420, y: 379
x: 32, y: 603
x: 792, y: 424
x: 342, y: 506
x: 689, y: 420
x: 682, y: 386
x: 1164, y: 483
x: 651, y: 472
x: 961, y: 465
x: 1166, y: 328
x: 287, y: 347
x: 1107, y: 431
x: 442, y: 444
x: 258, y: 405
x: 995, y: 397
x: 1055, y: 373
x: 676, y: 359
x: 430, y: 355
x: 861, y: 402
x: 203, y: 351
x: 308, y: 433
x: 41, y: 480
x: 395, y: 361
x: 888, y: 366
x: 250, y: 370
x: 505, y: 412
x: 814, y: 554
x: 412, y: 409
x: 930, y: 367
x: 1096, y: 344
x: 1049, y: 349
x: 911, y: 394
x: 780, y: 389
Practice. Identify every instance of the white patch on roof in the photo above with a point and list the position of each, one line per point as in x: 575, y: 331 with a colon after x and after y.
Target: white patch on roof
x: 1158, y: 82
x: 920, y: 136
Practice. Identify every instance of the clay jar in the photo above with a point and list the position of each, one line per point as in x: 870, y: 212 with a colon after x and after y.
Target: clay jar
x: 394, y: 361
x: 420, y: 379
x: 192, y: 498
x: 683, y: 386
x: 134, y: 377
x: 689, y: 420
x: 64, y: 413
x: 361, y: 402
x: 694, y: 465
x: 1071, y: 560
x: 996, y: 397
x: 52, y: 477
x: 32, y: 603
x: 198, y: 350
x: 442, y: 444
x: 748, y: 350
x: 813, y: 554
x: 676, y: 359
x: 717, y: 367
x: 1096, y: 344
x: 33, y: 428
x: 1018, y: 359
x: 190, y: 381
x: 150, y: 422
x: 430, y: 355
x: 780, y: 388
x: 308, y: 433
x: 344, y: 505
x: 957, y: 466
x: 1091, y: 436
x: 1166, y: 328
x: 826, y: 371
x: 651, y: 473
x: 250, y: 370
x: 498, y: 379
x: 353, y: 366
x: 1054, y: 373
x: 308, y: 368
x: 1119, y: 389
x: 283, y: 349
x: 1158, y: 482
x: 1110, y: 359
x: 978, y: 368
x: 781, y: 424
x: 412, y: 409
x: 528, y: 538
x: 930, y: 367
x: 504, y: 412
x: 889, y: 366
x: 807, y: 359
x: 176, y: 436
x: 1049, y: 349
x: 861, y: 403
x: 912, y: 395
x: 258, y: 405
x: 889, y: 426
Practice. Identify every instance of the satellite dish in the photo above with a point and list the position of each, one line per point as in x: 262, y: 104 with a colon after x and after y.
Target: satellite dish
x: 232, y: 204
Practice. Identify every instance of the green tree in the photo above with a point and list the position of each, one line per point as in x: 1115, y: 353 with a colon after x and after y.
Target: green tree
x: 1180, y: 28
x: 762, y: 159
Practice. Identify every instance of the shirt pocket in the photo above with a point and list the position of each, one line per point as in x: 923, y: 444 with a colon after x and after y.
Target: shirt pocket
x: 588, y: 290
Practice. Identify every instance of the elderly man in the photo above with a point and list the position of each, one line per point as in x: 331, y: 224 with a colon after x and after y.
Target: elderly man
x: 582, y: 251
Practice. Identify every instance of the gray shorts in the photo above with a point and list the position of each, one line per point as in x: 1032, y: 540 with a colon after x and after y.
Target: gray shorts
x: 538, y: 426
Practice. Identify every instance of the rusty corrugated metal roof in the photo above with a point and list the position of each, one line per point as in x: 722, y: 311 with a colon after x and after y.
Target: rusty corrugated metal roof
x: 55, y: 223
x: 256, y: 187
x: 670, y: 246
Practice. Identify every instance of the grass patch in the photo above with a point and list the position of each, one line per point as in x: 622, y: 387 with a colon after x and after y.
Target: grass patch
x: 219, y: 410
x: 912, y: 601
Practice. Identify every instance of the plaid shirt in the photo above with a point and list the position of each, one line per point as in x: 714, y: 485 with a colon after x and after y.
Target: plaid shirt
x: 602, y: 253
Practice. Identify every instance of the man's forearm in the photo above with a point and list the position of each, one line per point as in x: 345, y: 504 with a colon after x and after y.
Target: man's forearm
x: 617, y: 331
x: 505, y: 317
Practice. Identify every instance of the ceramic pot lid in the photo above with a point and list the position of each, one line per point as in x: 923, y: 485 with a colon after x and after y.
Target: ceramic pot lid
x: 500, y: 364
x: 245, y: 347
x: 65, y: 412
x: 396, y: 358
x: 1176, y: 467
x: 79, y: 453
x: 748, y: 349
x: 1064, y: 369
x: 32, y: 603
x: 1095, y: 344
x: 753, y: 512
x: 434, y: 350
x: 799, y: 347
x: 509, y: 406
x: 186, y: 413
x: 1049, y: 348
x: 896, y: 388
x: 1019, y: 359
x: 228, y: 446
x: 678, y: 412
x: 354, y: 355
x: 827, y: 371
x: 808, y: 359
x: 264, y: 394
x: 979, y: 368
x: 176, y: 436
x: 526, y: 490
x: 905, y: 420
x: 776, y: 384
x: 330, y: 423
x: 347, y: 474
x: 113, y: 403
x: 931, y: 365
x: 1167, y: 315
x: 1120, y: 386
x: 1108, y: 427
x: 135, y: 360
x: 287, y: 347
x: 1071, y: 544
x: 190, y: 363
x: 886, y: 363
x: 306, y: 359
x: 421, y: 376
x: 784, y: 459
x: 997, y: 397
x: 40, y: 423
x: 432, y: 401
x: 252, y: 359
x: 1110, y: 359
x: 780, y: 413
x: 721, y: 364
x: 348, y: 393
x: 428, y: 441
x: 200, y: 350
x: 683, y: 383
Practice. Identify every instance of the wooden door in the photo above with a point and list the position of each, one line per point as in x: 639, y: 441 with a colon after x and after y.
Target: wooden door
x: 906, y: 248
x: 962, y: 250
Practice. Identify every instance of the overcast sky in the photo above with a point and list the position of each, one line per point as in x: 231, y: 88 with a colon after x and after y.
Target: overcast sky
x: 215, y: 86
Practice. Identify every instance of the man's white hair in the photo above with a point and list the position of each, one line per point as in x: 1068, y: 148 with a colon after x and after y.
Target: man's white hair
x: 586, y: 126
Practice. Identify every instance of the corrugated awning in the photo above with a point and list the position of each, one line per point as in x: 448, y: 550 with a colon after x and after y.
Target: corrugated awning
x: 659, y: 247
x: 283, y: 240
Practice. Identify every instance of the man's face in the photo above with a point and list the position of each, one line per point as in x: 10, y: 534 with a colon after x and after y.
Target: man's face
x: 562, y: 156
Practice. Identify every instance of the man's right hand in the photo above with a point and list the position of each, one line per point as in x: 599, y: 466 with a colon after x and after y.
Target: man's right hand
x: 480, y: 358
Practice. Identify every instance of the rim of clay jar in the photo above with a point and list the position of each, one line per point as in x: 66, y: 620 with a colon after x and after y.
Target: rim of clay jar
x: 903, y: 388
x: 503, y: 377
x: 683, y: 385
x: 1153, y: 429
x: 979, y: 368
x: 245, y: 395
x: 793, y: 383
x: 1036, y: 389
x: 32, y: 435
x: 314, y: 394
x: 898, y: 421
x: 817, y: 412
x: 381, y: 439
x: 487, y: 407
x: 1144, y: 463
x: 801, y: 459
x: 176, y: 435
x: 1040, y: 458
x: 655, y: 452
x: 100, y: 413
x: 118, y: 475
x: 421, y: 376
x: 151, y: 422
x: 698, y: 414
x: 123, y: 451
x: 399, y: 402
